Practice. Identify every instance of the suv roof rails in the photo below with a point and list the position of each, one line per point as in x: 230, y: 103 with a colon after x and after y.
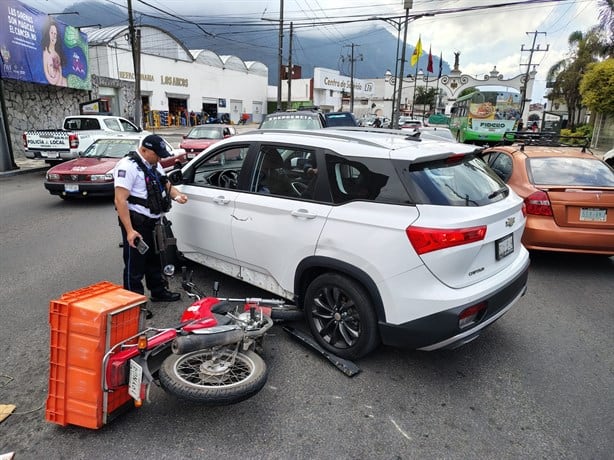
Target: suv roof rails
x: 331, y: 134
x: 544, y: 138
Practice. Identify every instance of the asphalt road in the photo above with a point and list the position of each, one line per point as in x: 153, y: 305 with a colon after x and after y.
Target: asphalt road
x: 537, y: 384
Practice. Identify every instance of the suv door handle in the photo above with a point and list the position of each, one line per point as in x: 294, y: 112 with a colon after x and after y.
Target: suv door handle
x: 303, y: 213
x: 221, y: 199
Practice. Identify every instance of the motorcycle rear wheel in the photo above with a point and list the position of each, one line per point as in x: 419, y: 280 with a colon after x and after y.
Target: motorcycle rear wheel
x: 200, y: 378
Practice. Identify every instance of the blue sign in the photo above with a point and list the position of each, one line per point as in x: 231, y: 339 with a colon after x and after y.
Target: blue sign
x: 37, y: 48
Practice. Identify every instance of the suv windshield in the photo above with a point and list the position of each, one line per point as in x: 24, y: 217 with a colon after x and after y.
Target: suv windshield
x: 340, y: 119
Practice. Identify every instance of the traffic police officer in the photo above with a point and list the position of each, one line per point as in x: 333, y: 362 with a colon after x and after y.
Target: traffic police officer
x: 142, y: 195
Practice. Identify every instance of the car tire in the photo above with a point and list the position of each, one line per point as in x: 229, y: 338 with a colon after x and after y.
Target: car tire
x: 340, y: 315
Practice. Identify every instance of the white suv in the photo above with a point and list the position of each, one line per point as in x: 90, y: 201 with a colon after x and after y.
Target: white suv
x: 378, y: 237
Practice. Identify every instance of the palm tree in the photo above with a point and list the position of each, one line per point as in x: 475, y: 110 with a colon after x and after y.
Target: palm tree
x: 564, y: 77
x: 606, y: 22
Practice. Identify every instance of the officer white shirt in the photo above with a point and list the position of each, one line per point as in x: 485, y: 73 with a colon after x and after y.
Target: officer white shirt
x: 127, y: 174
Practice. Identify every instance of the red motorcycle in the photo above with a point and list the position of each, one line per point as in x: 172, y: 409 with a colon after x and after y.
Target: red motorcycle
x: 211, y: 357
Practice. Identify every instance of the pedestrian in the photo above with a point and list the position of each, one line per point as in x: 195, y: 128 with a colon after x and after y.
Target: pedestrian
x: 534, y: 127
x: 377, y: 123
x: 142, y: 195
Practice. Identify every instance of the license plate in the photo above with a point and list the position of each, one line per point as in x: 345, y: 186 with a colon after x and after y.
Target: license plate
x: 51, y: 154
x: 71, y: 187
x: 593, y: 215
x: 135, y: 380
x: 189, y: 156
x: 504, y: 246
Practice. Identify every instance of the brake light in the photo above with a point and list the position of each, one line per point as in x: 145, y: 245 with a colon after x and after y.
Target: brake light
x: 538, y: 204
x: 73, y: 141
x: 471, y: 315
x: 456, y: 158
x: 117, y: 374
x: 432, y: 239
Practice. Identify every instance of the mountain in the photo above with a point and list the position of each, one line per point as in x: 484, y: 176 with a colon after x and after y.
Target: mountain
x: 374, y: 48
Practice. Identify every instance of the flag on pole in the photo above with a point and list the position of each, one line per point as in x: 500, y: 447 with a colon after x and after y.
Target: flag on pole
x: 440, y: 63
x: 429, y: 66
x: 417, y: 52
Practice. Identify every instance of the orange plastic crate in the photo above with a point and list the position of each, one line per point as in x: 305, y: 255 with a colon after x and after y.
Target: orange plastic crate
x: 85, y: 324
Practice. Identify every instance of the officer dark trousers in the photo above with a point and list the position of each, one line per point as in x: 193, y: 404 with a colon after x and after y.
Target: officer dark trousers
x: 137, y: 265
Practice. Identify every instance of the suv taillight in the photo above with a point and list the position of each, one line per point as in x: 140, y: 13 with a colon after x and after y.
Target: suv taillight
x: 538, y: 204
x: 73, y: 140
x: 432, y: 239
x: 25, y: 141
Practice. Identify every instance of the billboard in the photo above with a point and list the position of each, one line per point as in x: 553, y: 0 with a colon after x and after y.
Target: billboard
x: 38, y: 48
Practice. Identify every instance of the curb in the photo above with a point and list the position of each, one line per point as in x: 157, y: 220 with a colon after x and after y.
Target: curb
x: 20, y: 171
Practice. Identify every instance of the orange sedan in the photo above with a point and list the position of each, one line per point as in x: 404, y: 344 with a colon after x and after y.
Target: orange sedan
x: 569, y: 196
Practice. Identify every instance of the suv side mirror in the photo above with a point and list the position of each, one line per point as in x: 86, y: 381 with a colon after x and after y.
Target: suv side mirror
x: 175, y: 177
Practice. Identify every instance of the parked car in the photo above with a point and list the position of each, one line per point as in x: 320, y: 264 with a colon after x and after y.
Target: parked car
x: 202, y: 136
x: 409, y: 123
x: 569, y: 194
x: 92, y: 173
x: 608, y: 157
x: 436, y: 133
x: 340, y: 119
x: 379, y: 238
x: 304, y: 119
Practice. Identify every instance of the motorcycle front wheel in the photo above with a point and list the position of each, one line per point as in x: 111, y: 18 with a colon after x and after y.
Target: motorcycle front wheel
x: 211, y: 377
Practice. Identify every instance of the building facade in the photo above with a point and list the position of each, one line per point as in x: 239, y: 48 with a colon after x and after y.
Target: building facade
x: 178, y: 86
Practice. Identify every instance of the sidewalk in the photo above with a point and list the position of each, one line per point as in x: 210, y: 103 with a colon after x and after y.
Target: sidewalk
x: 25, y: 166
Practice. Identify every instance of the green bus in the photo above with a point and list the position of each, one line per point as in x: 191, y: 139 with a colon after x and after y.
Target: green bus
x: 483, y: 117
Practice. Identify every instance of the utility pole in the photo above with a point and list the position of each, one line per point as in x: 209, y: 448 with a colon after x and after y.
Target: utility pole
x: 527, y: 74
x: 397, y: 109
x: 280, y: 54
x: 290, y: 69
x: 135, y: 46
x: 352, y: 60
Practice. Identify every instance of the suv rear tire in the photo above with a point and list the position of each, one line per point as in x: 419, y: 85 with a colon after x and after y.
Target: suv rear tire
x: 340, y: 315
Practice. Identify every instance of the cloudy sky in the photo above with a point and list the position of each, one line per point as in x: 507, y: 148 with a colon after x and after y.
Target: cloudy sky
x: 485, y: 38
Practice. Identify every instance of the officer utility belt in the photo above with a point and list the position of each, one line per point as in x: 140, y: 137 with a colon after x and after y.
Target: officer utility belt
x: 139, y: 219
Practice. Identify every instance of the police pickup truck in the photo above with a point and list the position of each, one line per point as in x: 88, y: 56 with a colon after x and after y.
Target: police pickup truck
x: 78, y: 132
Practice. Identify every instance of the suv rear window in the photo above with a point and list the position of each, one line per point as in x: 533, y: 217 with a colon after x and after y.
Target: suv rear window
x: 292, y: 121
x: 465, y: 182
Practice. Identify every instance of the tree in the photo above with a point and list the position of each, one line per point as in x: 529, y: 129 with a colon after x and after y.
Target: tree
x: 564, y: 77
x: 426, y: 96
x: 597, y: 87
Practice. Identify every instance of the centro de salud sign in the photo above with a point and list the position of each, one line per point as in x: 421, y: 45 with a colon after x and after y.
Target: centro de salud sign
x: 333, y: 81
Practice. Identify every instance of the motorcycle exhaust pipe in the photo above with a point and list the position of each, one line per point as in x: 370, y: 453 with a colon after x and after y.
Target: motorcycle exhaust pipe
x: 188, y: 343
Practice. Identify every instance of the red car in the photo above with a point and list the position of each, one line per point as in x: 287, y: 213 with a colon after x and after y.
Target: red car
x: 202, y: 136
x: 92, y: 173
